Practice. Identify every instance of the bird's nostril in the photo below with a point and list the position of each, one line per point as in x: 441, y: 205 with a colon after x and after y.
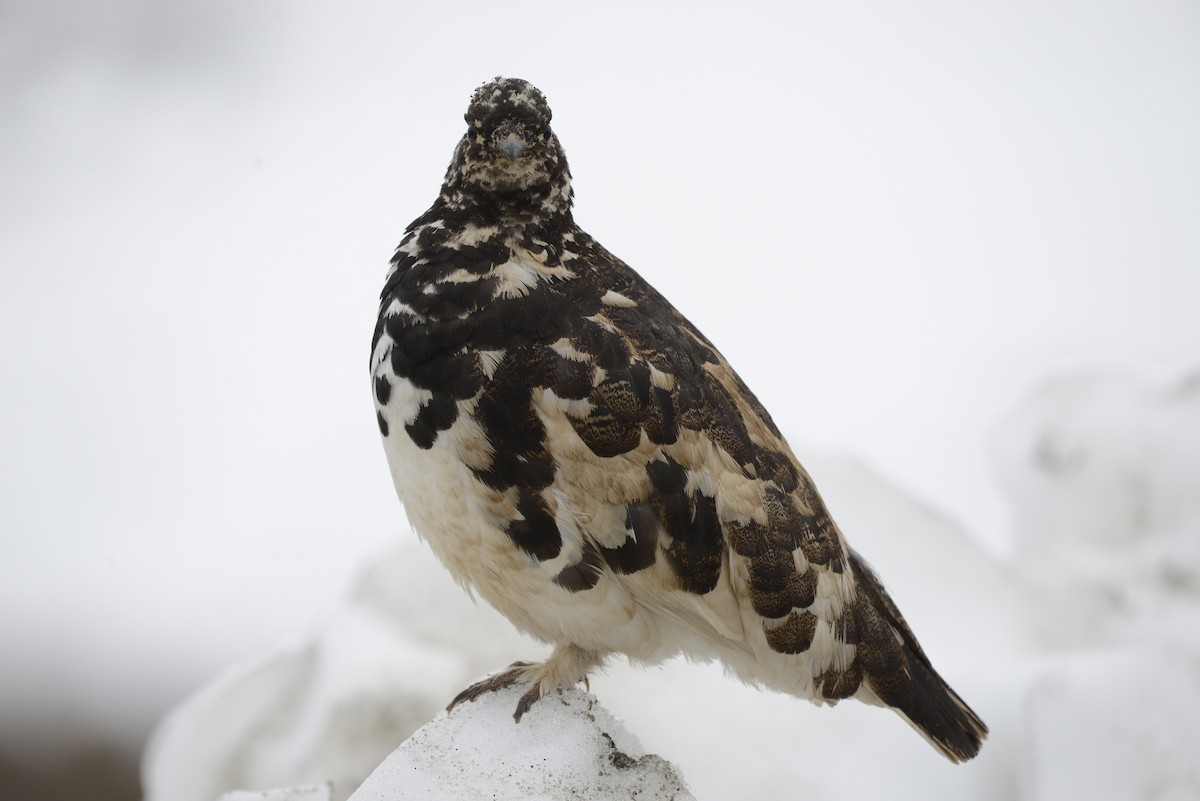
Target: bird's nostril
x: 512, y: 146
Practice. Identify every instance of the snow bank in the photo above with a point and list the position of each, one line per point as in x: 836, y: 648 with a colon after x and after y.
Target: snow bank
x: 1103, y: 472
x: 1107, y: 467
x: 566, y: 747
x: 1122, y: 724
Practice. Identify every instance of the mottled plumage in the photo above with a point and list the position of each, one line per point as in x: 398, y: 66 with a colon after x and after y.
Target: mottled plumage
x: 578, y: 454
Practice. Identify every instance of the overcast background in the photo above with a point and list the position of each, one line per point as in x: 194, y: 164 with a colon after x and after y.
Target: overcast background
x: 893, y: 219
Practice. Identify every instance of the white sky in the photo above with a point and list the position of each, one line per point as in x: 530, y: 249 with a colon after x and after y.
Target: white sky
x: 894, y: 219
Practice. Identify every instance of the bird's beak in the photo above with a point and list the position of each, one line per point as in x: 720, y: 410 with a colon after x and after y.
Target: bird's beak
x: 512, y: 146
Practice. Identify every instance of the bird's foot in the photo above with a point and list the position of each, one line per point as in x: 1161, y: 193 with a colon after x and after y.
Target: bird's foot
x: 567, y: 666
x: 516, y: 673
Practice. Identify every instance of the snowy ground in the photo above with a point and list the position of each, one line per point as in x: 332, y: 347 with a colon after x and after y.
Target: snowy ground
x: 941, y: 206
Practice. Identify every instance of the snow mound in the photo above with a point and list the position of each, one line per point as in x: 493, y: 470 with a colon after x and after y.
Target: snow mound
x: 1089, y: 739
x: 566, y: 747
x: 1103, y: 472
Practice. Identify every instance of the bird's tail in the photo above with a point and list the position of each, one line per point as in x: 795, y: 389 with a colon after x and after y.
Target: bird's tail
x: 901, y: 676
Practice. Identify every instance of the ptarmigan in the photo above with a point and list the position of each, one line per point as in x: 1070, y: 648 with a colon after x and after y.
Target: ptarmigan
x: 578, y: 454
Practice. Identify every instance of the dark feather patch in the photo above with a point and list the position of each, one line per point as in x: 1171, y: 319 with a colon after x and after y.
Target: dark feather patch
x: 607, y: 347
x: 537, y: 534
x: 421, y: 433
x: 636, y: 553
x: 719, y: 418
x: 776, y: 588
x: 458, y: 375
x: 820, y: 542
x: 775, y: 467
x: 570, y: 379
x: 383, y: 389
x: 505, y: 413
x: 696, y: 552
x: 835, y: 685
x: 607, y: 433
x: 584, y: 574
x: 402, y: 364
x: 439, y: 413
x: 667, y: 476
x: 660, y: 423
x: 794, y: 635
x: 641, y: 543
x: 751, y: 540
x: 639, y: 381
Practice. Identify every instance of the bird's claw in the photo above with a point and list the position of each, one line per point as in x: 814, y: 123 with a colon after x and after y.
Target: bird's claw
x: 517, y: 672
x: 506, y: 678
x: 527, y: 700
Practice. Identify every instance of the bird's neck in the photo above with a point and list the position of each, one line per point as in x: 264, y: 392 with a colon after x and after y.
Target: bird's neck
x: 503, y: 221
x: 544, y: 204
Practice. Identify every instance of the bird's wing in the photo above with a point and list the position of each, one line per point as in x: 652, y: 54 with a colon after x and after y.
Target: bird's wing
x: 671, y: 479
x: 670, y: 476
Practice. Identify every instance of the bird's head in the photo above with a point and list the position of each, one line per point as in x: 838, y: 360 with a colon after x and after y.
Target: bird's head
x: 509, y: 163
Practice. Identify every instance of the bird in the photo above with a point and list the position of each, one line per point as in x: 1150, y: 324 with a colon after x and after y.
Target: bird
x: 583, y: 458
